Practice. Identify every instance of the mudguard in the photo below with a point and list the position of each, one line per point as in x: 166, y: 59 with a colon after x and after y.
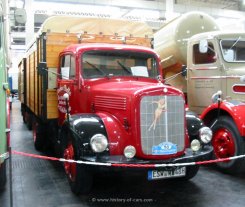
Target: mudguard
x: 194, y: 123
x: 82, y: 128
x: 234, y: 109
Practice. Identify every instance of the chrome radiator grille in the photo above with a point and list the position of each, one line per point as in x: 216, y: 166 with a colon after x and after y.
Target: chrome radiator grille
x: 162, y: 124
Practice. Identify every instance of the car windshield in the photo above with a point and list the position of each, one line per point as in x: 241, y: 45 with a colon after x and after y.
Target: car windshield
x: 103, y: 63
x: 233, y: 50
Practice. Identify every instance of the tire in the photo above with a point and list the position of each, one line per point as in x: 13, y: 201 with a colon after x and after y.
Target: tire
x: 28, y: 120
x: 79, y: 178
x: 227, y: 142
x: 3, y: 175
x: 24, y: 114
x: 38, y: 132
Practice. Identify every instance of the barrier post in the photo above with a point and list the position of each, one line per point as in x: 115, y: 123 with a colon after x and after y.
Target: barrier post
x: 10, y: 177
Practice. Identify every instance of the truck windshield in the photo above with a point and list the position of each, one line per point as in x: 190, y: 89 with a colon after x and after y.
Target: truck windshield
x: 233, y: 50
x: 97, y: 64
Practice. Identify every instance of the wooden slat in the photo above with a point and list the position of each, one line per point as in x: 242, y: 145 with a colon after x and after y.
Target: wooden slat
x: 36, y: 85
x: 40, y: 98
x: 28, y: 81
x: 60, y: 39
x: 32, y: 82
x: 21, y: 81
x: 52, y: 104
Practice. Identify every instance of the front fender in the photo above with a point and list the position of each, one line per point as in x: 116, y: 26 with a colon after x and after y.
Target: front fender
x: 234, y: 109
x: 118, y: 136
x: 82, y: 128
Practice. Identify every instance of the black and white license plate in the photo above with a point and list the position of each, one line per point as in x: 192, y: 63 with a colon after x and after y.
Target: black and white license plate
x: 168, y: 173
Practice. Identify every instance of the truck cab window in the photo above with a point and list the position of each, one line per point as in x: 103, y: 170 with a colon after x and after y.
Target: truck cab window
x: 120, y: 63
x: 204, y: 58
x: 233, y: 50
x: 67, y: 67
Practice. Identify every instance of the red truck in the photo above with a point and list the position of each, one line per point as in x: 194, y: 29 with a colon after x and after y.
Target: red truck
x: 97, y: 95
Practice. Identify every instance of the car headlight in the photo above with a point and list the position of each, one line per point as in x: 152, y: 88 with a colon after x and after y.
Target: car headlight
x: 98, y: 143
x: 205, y: 134
x: 129, y: 151
x: 195, y: 145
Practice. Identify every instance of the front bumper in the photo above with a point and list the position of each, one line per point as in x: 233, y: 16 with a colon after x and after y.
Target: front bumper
x: 122, y: 161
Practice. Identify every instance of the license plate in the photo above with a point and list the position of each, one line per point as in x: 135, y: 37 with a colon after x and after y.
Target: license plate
x: 168, y: 173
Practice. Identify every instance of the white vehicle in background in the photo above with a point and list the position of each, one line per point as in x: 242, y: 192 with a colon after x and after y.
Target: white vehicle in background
x: 214, y: 85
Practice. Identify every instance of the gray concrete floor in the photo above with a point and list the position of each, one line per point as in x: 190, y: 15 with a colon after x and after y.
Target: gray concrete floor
x: 40, y: 183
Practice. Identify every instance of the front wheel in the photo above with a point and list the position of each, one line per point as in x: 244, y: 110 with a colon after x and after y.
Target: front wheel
x: 227, y: 142
x: 79, y: 178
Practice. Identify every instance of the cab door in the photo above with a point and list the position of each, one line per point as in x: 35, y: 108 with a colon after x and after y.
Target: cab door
x: 204, y: 77
x: 66, y: 83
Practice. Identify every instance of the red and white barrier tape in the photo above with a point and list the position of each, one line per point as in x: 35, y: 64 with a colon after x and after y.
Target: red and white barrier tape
x: 127, y: 165
x: 6, y: 155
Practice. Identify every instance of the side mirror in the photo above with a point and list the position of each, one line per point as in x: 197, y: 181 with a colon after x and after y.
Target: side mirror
x: 203, y: 46
x: 20, y: 16
x: 184, y: 71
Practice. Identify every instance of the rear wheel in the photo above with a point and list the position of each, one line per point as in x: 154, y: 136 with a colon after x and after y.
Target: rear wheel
x: 38, y: 135
x: 227, y: 142
x: 27, y: 118
x: 3, y: 176
x: 79, y: 178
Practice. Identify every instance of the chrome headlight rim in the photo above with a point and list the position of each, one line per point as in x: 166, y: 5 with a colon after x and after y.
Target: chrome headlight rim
x: 129, y: 151
x: 99, y: 143
x: 205, y: 134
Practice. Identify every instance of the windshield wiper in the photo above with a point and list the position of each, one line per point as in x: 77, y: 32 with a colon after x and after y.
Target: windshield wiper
x: 235, y: 42
x: 95, y: 67
x: 124, y: 67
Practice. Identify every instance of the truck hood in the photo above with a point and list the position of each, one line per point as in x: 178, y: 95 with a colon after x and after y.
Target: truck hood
x: 119, y: 103
x: 118, y: 87
x: 121, y: 97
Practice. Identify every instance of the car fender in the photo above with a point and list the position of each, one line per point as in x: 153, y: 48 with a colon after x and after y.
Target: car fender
x: 234, y: 109
x: 82, y: 128
x: 117, y: 134
x: 194, y: 123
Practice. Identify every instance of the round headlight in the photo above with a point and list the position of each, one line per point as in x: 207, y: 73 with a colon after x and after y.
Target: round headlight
x: 195, y: 145
x: 205, y: 134
x: 98, y: 143
x: 129, y: 151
